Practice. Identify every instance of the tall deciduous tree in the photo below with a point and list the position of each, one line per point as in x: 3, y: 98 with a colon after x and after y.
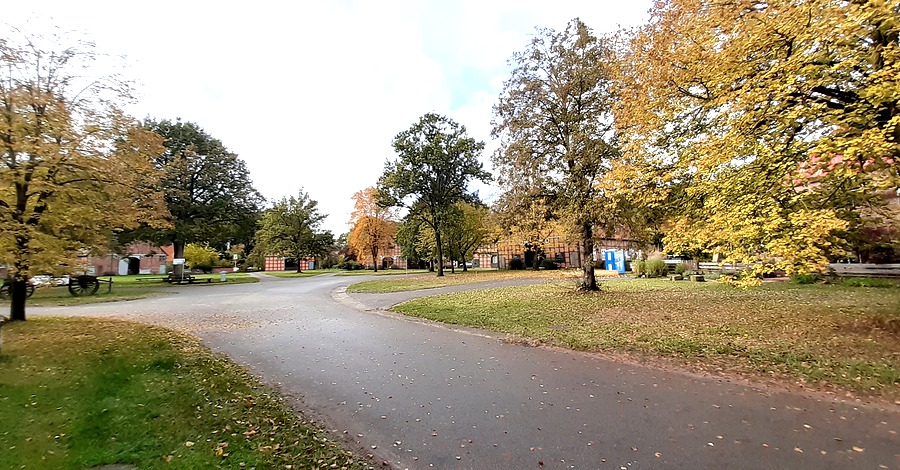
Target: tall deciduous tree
x: 207, y: 188
x: 373, y: 225
x: 554, y: 121
x: 783, y: 118
x: 437, y: 160
x: 74, y: 168
x: 291, y: 227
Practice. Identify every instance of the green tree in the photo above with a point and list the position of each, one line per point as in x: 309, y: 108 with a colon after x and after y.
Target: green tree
x: 207, y: 190
x: 783, y: 120
x: 290, y: 228
x: 466, y: 230
x: 74, y: 171
x: 436, y: 162
x: 554, y: 122
x: 407, y: 238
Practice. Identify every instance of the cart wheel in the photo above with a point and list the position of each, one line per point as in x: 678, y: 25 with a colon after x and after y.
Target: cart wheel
x: 4, y: 290
x: 83, y: 285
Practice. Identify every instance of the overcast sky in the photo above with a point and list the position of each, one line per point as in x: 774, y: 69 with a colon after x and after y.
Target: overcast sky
x: 310, y: 94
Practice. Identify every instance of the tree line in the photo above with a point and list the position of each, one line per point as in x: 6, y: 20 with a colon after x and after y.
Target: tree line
x: 765, y: 133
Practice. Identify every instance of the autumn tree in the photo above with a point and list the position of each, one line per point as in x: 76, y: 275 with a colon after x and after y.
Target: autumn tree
x: 291, y: 227
x: 373, y: 227
x: 555, y: 125
x: 523, y: 213
x: 207, y: 189
x: 436, y: 161
x: 74, y: 168
x: 782, y: 119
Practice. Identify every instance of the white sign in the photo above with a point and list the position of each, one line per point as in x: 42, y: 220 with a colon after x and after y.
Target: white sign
x: 178, y: 261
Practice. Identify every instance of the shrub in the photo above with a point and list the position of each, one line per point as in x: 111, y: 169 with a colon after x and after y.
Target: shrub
x: 681, y: 268
x: 804, y: 279
x: 201, y: 257
x: 516, y: 263
x: 549, y: 265
x: 868, y: 282
x: 639, y: 267
x: 655, y: 268
x: 349, y: 266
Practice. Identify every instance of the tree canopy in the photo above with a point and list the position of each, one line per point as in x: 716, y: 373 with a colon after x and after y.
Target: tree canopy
x: 373, y: 225
x: 781, y: 118
x: 207, y: 189
x: 291, y: 228
x: 436, y: 161
x: 74, y: 168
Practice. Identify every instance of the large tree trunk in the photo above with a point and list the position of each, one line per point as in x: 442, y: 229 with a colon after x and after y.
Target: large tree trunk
x: 375, y: 257
x: 588, y: 280
x: 18, y: 293
x: 298, y: 258
x: 19, y: 289
x: 440, y: 252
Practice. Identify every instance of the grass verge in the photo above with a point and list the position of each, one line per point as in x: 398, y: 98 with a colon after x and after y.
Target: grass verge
x: 288, y: 274
x: 831, y: 335
x: 431, y: 281
x: 383, y: 272
x: 145, y: 281
x: 81, y: 393
x: 124, y: 288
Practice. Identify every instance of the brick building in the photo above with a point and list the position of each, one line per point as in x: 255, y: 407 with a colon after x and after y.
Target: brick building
x: 137, y: 258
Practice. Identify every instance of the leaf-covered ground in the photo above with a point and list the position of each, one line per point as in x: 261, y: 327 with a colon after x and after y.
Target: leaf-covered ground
x: 835, y: 336
x: 77, y: 393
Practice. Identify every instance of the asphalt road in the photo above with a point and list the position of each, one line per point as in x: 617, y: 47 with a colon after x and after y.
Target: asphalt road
x: 416, y: 394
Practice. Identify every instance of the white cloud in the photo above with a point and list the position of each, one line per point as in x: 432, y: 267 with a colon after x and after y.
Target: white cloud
x: 310, y: 94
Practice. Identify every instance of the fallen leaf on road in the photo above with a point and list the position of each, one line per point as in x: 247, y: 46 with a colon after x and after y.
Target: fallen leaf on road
x: 858, y: 449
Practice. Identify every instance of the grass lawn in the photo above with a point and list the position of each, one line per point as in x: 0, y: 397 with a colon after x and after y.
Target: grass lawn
x: 80, y: 393
x: 144, y: 281
x: 836, y: 336
x: 382, y: 272
x: 290, y: 274
x: 431, y: 281
x: 124, y: 288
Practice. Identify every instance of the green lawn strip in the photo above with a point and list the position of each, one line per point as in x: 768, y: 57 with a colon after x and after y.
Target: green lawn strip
x: 829, y: 334
x: 289, y: 274
x: 80, y: 393
x: 57, y: 296
x: 144, y: 281
x: 431, y: 281
x: 383, y: 272
x: 124, y: 288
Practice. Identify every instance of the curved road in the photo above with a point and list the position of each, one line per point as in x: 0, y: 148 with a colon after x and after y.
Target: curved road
x: 415, y: 394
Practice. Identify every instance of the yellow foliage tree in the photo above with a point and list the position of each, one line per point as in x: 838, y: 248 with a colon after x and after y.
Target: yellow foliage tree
x: 373, y: 226
x: 781, y: 118
x: 75, y: 169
